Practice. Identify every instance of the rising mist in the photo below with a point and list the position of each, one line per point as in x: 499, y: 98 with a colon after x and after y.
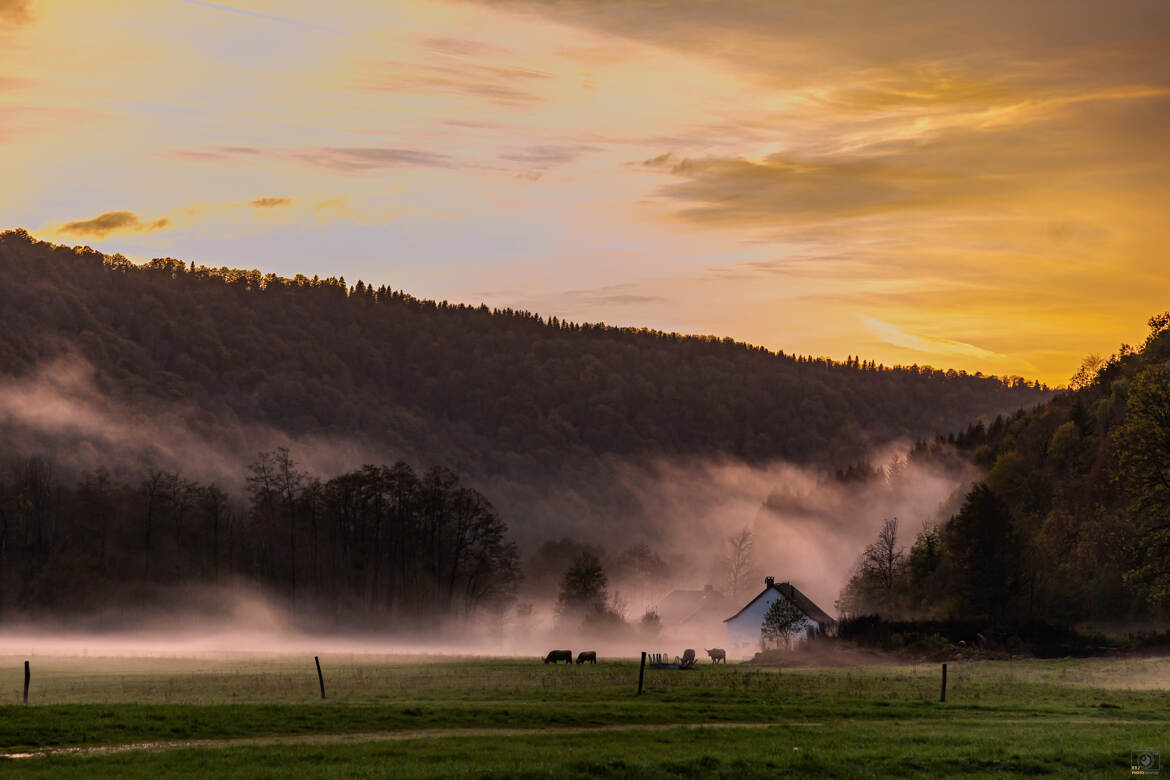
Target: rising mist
x: 807, y: 527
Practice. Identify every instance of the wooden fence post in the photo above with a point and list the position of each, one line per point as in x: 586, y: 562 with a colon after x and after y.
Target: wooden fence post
x: 26, y: 679
x: 942, y: 696
x: 641, y: 672
x: 320, y: 677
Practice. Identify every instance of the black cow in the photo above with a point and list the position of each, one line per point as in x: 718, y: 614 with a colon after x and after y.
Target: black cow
x: 688, y: 658
x: 717, y: 654
x: 559, y: 655
x: 587, y: 656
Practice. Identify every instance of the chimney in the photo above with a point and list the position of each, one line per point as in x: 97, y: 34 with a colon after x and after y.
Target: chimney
x: 769, y: 582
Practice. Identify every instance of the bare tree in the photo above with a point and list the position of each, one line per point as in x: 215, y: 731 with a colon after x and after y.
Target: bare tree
x: 180, y: 494
x: 274, y: 486
x: 264, y: 492
x: 289, y: 482
x: 153, y: 488
x: 214, y: 503
x: 883, y: 558
x: 739, y: 561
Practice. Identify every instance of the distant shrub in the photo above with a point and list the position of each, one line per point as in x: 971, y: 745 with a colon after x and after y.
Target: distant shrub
x: 1035, y: 638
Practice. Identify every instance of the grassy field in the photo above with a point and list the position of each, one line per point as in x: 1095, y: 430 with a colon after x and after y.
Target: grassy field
x: 400, y: 716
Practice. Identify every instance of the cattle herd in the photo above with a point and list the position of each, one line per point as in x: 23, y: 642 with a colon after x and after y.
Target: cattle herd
x: 584, y: 657
x: 717, y: 655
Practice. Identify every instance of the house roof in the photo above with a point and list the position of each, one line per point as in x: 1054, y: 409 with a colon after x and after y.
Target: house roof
x: 679, y: 606
x: 802, y: 602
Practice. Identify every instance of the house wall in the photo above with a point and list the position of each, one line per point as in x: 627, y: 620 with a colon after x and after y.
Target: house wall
x: 743, y: 632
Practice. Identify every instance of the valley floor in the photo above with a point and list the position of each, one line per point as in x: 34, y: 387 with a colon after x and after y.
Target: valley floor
x: 440, y: 716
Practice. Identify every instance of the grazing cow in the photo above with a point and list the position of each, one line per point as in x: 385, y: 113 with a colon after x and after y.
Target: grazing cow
x: 587, y: 656
x: 559, y: 655
x: 688, y: 658
x: 717, y: 654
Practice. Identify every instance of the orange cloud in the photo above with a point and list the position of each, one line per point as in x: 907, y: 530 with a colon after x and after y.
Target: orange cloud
x: 778, y: 188
x: 112, y: 222
x: 268, y: 203
x: 14, y: 12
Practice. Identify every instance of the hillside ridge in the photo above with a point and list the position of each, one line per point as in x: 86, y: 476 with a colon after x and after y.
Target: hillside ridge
x: 316, y: 356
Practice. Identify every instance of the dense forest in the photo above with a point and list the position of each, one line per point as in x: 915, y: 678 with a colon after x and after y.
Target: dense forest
x: 1071, y: 522
x: 381, y: 543
x: 482, y: 390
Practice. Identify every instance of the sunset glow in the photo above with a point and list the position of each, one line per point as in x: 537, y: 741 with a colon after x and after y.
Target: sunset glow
x: 979, y: 186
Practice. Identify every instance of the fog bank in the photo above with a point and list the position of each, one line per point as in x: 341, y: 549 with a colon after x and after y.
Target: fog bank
x: 808, y: 528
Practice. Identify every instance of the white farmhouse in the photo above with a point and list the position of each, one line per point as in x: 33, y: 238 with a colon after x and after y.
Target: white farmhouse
x: 743, y: 628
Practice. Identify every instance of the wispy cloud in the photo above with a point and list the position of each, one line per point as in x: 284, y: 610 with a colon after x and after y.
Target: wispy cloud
x: 549, y: 155
x: 340, y: 159
x: 269, y: 202
x: 352, y: 159
x: 739, y: 191
x: 215, y: 154
x: 112, y: 222
x: 461, y: 47
x: 891, y: 334
x: 501, y: 84
x: 612, y: 294
x: 928, y: 167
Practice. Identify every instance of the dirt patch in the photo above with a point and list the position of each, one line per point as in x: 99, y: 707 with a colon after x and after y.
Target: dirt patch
x: 376, y: 736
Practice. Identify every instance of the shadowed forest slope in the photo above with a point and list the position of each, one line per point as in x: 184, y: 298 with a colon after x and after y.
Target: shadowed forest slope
x: 487, y: 392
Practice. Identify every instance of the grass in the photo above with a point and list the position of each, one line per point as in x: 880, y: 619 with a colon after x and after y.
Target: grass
x: 416, y: 717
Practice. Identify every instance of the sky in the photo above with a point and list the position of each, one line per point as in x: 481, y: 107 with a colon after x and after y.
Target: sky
x: 980, y: 186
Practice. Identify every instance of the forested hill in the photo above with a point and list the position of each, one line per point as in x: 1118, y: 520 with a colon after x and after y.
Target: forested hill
x: 1072, y: 522
x: 483, y: 390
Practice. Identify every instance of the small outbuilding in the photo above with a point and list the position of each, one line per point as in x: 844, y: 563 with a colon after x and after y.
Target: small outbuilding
x: 743, y: 628
x: 693, y: 609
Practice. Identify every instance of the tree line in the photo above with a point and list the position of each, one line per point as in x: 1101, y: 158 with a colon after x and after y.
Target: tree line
x: 1070, y: 522
x: 384, y: 544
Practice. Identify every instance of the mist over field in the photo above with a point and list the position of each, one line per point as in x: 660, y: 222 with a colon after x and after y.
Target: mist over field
x: 61, y: 411
x: 807, y: 528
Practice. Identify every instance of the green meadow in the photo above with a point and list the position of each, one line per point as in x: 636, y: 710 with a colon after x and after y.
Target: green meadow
x: 441, y: 716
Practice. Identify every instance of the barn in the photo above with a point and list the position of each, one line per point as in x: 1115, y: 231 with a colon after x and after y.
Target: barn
x: 743, y: 628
